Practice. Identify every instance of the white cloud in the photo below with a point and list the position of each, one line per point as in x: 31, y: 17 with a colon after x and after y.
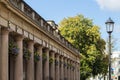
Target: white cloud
x: 113, y: 5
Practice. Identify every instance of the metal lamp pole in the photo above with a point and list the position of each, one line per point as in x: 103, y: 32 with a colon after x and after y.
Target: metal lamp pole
x: 109, y: 28
x: 109, y: 56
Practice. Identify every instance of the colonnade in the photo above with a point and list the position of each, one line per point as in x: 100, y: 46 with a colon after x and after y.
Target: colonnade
x: 49, y: 64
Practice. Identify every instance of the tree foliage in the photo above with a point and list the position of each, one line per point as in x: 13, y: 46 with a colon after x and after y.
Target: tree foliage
x: 85, y: 36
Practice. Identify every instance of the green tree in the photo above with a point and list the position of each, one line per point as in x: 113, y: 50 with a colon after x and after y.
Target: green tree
x: 85, y: 36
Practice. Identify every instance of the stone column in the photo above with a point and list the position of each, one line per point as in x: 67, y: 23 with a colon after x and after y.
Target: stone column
x: 71, y: 71
x: 30, y: 62
x: 4, y: 54
x: 65, y: 69
x: 62, y: 68
x: 59, y: 67
x: 78, y: 71
x: 70, y: 76
x: 39, y: 65
x: 74, y: 71
x: 68, y: 70
x: 18, y: 74
x: 57, y: 77
x: 46, y: 66
x: 52, y: 67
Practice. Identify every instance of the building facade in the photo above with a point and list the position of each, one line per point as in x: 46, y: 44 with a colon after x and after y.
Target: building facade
x: 32, y: 48
x: 115, y: 66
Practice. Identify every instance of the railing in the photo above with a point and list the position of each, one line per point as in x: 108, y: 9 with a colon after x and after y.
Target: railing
x: 28, y: 11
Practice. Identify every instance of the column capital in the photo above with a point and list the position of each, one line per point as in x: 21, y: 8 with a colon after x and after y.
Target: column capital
x: 39, y: 47
x: 52, y: 52
x: 5, y: 31
x: 65, y: 58
x: 61, y: 57
x: 69, y: 60
x: 46, y: 49
x: 19, y: 37
x: 57, y: 55
x: 31, y: 42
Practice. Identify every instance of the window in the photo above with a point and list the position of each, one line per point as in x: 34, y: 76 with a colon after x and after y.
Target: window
x: 118, y: 62
x: 119, y: 70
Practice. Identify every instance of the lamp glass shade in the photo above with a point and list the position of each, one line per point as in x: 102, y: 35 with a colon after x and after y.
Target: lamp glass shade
x: 109, y: 25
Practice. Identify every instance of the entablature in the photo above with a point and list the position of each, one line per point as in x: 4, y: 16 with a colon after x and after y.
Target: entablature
x: 36, y: 20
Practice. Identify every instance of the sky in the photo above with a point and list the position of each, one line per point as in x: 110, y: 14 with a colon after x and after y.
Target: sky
x: 97, y: 10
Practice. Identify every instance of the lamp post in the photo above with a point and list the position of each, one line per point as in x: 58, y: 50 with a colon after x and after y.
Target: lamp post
x: 109, y: 28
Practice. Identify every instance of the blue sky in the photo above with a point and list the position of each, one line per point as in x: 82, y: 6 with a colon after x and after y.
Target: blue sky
x: 97, y: 10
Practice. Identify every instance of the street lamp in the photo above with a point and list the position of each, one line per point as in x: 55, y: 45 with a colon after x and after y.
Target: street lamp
x: 109, y: 28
